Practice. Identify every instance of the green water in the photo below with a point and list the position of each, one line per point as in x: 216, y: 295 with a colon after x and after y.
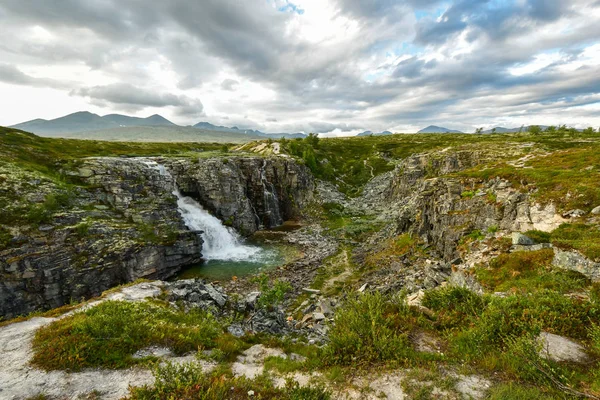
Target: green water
x: 223, y: 270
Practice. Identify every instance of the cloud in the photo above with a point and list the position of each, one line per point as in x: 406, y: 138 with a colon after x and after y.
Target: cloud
x: 332, y: 65
x: 138, y: 98
x: 229, y: 84
x: 12, y: 75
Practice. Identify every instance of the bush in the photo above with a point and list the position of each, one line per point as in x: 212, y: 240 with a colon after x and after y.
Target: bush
x: 271, y: 293
x: 369, y: 329
x: 109, y: 334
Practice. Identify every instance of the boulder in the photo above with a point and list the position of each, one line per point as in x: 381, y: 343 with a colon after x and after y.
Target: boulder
x: 596, y: 211
x: 574, y: 213
x: 522, y: 240
x: 559, y: 348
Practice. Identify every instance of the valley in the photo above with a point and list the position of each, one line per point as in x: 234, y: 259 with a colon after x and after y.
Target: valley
x: 385, y: 266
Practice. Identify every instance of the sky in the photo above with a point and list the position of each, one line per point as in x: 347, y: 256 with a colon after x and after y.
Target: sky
x: 328, y: 66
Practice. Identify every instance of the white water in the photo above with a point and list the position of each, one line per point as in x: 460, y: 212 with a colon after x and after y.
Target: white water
x: 220, y: 242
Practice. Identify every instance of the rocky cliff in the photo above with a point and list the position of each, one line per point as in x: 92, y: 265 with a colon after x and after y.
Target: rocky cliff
x: 121, y: 223
x: 248, y: 193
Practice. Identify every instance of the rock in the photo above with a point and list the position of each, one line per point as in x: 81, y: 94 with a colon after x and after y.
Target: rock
x: 574, y: 213
x: 153, y: 351
x: 363, y: 288
x: 311, y: 291
x: 215, y: 295
x: 559, y: 348
x: 318, y: 317
x: 326, y: 307
x: 236, y: 330
x: 535, y: 247
x: 596, y: 211
x: 415, y: 299
x: 574, y: 261
x: 520, y: 239
x: 251, y: 299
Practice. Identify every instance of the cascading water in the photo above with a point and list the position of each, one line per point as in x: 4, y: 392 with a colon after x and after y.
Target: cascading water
x: 270, y: 198
x: 220, y: 242
x: 223, y: 249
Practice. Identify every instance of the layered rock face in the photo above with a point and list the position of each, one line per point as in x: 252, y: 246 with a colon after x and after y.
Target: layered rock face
x: 248, y: 193
x: 123, y: 224
x: 441, y: 210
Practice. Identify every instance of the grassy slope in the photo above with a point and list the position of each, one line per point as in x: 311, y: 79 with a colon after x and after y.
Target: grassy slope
x: 351, y: 162
x: 167, y: 134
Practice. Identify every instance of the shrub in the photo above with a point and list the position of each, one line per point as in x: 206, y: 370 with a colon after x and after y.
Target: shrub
x: 271, y: 293
x: 369, y: 329
x: 109, y: 334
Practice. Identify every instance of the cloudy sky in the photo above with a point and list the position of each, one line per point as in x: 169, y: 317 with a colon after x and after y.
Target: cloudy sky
x: 308, y: 65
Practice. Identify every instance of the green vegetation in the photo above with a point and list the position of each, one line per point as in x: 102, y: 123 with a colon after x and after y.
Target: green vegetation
x: 579, y: 236
x: 188, y: 381
x: 48, y: 155
x: 529, y: 272
x: 369, y: 329
x: 271, y: 293
x: 109, y: 334
x: 568, y: 178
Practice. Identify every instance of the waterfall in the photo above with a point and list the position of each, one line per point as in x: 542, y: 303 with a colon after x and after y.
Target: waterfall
x: 220, y: 242
x: 270, y: 198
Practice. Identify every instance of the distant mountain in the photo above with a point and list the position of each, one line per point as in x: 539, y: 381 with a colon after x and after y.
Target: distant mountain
x: 250, y: 132
x: 437, y: 129
x: 84, y: 121
x: 370, y: 133
x: 500, y: 129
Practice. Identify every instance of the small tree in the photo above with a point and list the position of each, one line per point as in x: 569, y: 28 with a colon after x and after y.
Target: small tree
x: 493, y: 130
x: 534, y: 130
x: 589, y: 131
x: 551, y: 129
x: 479, y: 131
x: 312, y: 139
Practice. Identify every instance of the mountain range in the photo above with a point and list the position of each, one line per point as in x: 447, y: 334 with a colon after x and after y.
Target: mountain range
x: 437, y: 129
x: 86, y: 125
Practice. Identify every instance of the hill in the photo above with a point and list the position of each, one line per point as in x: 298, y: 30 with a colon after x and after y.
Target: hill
x: 87, y: 125
x: 250, y: 132
x: 172, y: 134
x: 84, y: 121
x: 370, y: 133
x: 437, y: 129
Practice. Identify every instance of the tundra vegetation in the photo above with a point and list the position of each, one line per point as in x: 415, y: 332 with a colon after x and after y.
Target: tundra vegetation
x: 491, y: 333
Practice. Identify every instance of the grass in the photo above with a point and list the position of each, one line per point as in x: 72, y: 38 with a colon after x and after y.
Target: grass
x: 109, y: 334
x: 188, y: 381
x: 567, y: 178
x: 48, y: 155
x: 527, y: 272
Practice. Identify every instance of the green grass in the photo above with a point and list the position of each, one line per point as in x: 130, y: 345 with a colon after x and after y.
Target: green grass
x: 369, y: 329
x: 188, y: 381
x: 566, y: 178
x: 48, y: 155
x: 110, y: 333
x: 528, y: 272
